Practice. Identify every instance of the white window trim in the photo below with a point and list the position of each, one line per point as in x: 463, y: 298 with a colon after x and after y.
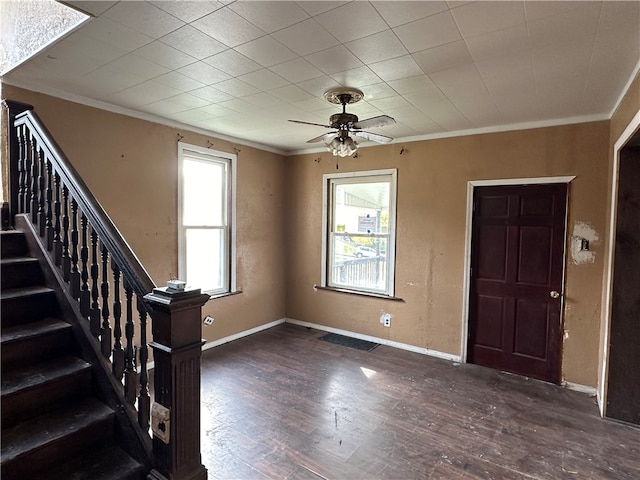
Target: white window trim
x: 231, y: 206
x: 391, y: 247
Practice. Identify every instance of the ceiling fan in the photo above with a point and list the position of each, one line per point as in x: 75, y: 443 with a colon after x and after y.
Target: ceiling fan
x: 339, y: 142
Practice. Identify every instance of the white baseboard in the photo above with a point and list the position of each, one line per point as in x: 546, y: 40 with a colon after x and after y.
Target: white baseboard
x: 591, y: 391
x: 244, y: 333
x: 235, y: 336
x: 382, y: 341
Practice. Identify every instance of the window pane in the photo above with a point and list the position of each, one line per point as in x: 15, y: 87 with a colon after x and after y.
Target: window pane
x: 361, y: 208
x: 203, y: 193
x: 205, y: 258
x: 359, y: 262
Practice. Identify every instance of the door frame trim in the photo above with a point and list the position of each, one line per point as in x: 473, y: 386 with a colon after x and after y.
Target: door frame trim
x: 631, y: 129
x: 466, y: 288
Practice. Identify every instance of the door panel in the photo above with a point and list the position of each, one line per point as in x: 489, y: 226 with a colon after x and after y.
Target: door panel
x: 517, y: 257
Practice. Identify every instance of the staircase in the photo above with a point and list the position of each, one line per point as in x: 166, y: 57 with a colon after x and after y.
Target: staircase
x: 55, y: 425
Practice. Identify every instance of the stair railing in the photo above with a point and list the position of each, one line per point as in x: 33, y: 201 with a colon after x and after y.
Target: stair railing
x: 106, y: 278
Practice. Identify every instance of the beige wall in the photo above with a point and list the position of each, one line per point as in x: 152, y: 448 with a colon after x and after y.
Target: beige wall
x: 131, y: 167
x: 431, y: 223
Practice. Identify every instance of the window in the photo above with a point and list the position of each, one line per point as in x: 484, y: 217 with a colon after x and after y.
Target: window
x: 359, y: 231
x: 205, y: 237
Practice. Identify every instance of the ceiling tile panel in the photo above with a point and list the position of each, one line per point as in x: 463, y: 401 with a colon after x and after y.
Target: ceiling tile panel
x: 264, y: 79
x: 187, y: 10
x: 136, y: 65
x: 297, y: 70
x: 319, y: 6
x: 91, y: 6
x: 228, y: 27
x: 236, y: 87
x: 377, y: 47
x: 499, y: 43
x: 232, y: 62
x: 193, y: 42
x: 204, y: 73
x: 189, y: 101
x: 575, y: 25
x: 334, y: 60
x: 165, y: 55
x: 266, y: 51
x: 110, y: 32
x: 211, y: 94
x: 397, y: 13
x: 460, y: 82
x: 401, y: 67
x: 262, y: 100
x: 379, y: 90
x: 483, y: 17
x: 351, y: 21
x: 144, y: 17
x: 318, y: 86
x: 545, y: 9
x: 270, y: 16
x: 449, y: 55
x: 179, y: 81
x: 428, y: 32
x: 291, y: 94
x: 356, y: 76
x: 413, y: 84
x: 237, y: 105
x: 306, y: 37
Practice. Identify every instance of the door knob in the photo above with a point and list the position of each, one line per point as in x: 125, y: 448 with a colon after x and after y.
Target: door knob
x: 554, y: 294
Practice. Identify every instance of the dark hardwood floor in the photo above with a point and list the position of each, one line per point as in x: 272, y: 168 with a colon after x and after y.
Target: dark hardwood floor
x: 282, y: 404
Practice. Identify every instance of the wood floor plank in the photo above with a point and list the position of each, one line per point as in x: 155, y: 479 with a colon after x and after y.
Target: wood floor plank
x: 282, y: 404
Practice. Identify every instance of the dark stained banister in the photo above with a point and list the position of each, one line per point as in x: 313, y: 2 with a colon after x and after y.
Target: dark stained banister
x: 104, y: 277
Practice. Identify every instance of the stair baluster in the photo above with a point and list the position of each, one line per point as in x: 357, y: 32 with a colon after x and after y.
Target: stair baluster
x: 49, y: 201
x: 57, y: 243
x: 41, y: 192
x: 66, y: 260
x: 22, y: 169
x: 129, y: 356
x: 94, y: 314
x: 74, y: 278
x: 117, y: 358
x: 85, y: 296
x: 105, y: 330
x: 33, y: 200
x: 144, y: 401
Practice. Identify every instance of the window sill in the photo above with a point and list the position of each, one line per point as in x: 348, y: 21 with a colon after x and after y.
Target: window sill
x: 357, y: 292
x: 222, y: 295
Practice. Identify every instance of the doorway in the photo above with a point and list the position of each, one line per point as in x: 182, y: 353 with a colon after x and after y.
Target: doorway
x: 623, y: 387
x: 516, y: 280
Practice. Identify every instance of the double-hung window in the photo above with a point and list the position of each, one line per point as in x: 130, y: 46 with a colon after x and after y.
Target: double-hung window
x: 359, y: 231
x: 205, y: 237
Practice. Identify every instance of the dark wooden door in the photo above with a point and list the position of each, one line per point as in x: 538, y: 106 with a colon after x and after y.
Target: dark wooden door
x: 517, y: 254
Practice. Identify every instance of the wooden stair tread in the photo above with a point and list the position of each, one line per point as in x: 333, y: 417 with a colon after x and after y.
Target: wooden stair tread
x: 13, y: 293
x: 40, y: 374
x: 45, y: 429
x: 109, y: 463
x: 20, y: 332
x: 18, y: 260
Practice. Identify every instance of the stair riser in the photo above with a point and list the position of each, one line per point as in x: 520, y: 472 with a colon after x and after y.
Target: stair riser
x: 23, y: 274
x: 75, y: 443
x: 39, y: 399
x: 28, y: 308
x: 13, y: 244
x: 36, y: 349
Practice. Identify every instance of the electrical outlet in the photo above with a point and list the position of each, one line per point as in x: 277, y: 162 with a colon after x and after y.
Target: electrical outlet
x: 385, y: 319
x: 208, y: 320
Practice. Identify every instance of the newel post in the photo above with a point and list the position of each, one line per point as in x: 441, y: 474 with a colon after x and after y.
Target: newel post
x: 177, y: 347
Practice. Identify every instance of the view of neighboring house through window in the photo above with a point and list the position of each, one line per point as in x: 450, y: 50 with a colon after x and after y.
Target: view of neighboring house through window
x: 204, y: 215
x: 359, y: 231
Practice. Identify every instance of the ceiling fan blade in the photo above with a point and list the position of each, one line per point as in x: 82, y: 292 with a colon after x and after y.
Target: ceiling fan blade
x: 373, y: 136
x: 321, y: 137
x: 309, y: 123
x: 373, y: 122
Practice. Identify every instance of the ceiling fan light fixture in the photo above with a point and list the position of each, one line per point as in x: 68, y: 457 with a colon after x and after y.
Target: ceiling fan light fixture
x: 342, y: 146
